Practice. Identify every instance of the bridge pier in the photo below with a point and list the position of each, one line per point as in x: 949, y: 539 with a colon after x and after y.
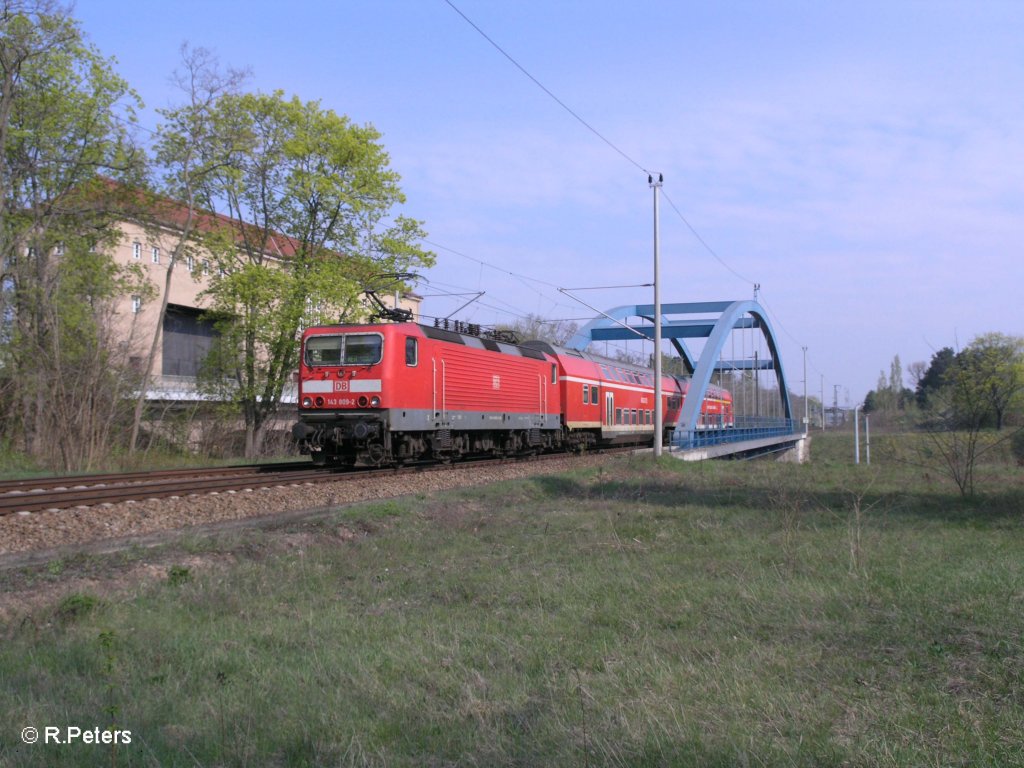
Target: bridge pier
x: 800, y: 453
x: 789, y: 448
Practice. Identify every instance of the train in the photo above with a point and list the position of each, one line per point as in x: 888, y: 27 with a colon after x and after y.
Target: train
x: 385, y: 394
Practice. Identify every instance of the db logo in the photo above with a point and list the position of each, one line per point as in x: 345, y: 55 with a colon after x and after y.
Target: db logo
x: 341, y: 386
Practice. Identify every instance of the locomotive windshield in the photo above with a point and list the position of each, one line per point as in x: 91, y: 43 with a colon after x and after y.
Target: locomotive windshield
x: 350, y: 349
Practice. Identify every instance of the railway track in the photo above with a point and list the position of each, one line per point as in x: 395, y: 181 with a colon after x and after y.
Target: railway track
x: 27, y: 496
x: 112, y: 489
x: 83, y: 481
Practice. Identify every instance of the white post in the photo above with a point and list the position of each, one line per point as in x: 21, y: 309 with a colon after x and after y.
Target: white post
x: 823, y: 402
x: 856, y: 435
x: 867, y: 437
x: 807, y: 419
x: 658, y: 416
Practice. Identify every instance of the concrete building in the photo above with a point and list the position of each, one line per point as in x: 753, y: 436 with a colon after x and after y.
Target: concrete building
x: 186, y: 335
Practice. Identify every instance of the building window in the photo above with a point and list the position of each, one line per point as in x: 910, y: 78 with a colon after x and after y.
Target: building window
x: 136, y: 250
x: 206, y: 267
x: 136, y: 304
x: 156, y: 255
x: 190, y: 262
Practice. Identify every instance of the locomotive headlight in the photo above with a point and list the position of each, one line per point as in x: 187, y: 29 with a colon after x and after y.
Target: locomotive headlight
x: 319, y: 402
x: 307, y: 402
x: 375, y: 402
x: 362, y: 401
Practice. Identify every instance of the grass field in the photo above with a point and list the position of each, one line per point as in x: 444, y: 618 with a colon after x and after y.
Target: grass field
x: 715, y: 614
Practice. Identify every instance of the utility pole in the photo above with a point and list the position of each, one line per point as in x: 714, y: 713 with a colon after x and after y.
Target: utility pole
x: 835, y: 401
x: 823, y: 402
x: 757, y: 385
x: 658, y: 417
x: 807, y: 420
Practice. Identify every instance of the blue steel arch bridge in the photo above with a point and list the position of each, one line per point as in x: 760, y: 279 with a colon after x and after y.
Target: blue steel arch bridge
x: 731, y: 340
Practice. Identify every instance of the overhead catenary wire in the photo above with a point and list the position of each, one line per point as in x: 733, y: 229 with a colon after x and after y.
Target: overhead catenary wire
x: 525, y: 280
x: 544, y: 88
x: 604, y: 139
x: 598, y: 134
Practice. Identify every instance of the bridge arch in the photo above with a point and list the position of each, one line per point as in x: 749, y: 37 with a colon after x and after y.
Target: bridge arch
x: 732, y: 315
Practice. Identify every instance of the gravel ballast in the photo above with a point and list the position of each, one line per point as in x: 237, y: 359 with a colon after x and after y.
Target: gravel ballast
x: 69, y: 527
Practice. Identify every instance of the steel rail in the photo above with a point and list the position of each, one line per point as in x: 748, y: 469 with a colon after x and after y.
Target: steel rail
x: 85, y: 481
x: 170, y: 487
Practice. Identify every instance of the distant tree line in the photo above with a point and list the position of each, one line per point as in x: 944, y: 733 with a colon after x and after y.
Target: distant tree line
x: 981, y: 386
x: 279, y: 169
x: 962, y: 403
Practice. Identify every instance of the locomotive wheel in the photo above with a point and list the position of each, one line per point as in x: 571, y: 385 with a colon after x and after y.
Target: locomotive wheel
x: 376, y: 454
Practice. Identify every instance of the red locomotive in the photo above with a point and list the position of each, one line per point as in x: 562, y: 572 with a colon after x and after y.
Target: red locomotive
x: 390, y: 393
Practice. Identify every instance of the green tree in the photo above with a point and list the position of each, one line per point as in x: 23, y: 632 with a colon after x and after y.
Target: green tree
x: 63, y: 122
x: 310, y: 197
x: 896, y: 388
x: 993, y: 367
x: 881, y: 398
x: 934, y: 377
x: 953, y: 423
x: 976, y: 388
x: 190, y: 146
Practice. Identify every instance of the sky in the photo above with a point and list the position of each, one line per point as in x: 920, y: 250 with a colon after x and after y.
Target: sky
x: 863, y: 163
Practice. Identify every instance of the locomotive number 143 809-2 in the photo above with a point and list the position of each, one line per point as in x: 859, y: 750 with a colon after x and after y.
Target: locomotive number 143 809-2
x: 339, y: 401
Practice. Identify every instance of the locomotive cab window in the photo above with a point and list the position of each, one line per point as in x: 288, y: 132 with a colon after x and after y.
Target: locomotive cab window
x: 349, y: 349
x: 412, y: 352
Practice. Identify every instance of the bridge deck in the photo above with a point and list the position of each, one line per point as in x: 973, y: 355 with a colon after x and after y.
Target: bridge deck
x: 750, y: 434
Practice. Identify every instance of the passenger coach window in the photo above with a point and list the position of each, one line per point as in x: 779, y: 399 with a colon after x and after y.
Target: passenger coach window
x: 411, y: 352
x: 593, y: 394
x: 586, y: 395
